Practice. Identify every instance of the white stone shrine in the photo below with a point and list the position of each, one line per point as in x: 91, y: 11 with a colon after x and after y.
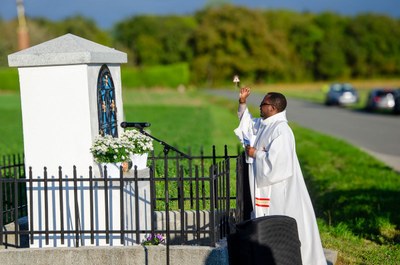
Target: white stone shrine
x: 59, y: 86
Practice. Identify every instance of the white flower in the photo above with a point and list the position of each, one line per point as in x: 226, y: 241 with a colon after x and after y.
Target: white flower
x: 108, y: 149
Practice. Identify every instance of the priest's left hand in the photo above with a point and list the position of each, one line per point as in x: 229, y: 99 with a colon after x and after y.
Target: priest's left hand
x: 250, y: 151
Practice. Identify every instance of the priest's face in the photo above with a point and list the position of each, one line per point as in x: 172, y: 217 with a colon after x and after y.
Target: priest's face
x: 266, y: 108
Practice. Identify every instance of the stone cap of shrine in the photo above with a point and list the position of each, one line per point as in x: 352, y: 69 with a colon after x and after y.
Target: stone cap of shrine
x: 66, y: 50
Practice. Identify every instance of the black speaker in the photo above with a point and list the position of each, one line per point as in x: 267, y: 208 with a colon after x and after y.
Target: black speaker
x: 265, y: 240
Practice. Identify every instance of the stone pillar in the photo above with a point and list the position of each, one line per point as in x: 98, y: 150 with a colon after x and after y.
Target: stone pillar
x: 58, y: 83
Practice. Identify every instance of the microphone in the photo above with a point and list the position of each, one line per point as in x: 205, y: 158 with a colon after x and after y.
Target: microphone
x: 138, y: 125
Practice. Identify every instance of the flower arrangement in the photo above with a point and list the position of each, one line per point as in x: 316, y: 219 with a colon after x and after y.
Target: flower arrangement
x: 153, y: 239
x: 138, y: 143
x: 107, y: 149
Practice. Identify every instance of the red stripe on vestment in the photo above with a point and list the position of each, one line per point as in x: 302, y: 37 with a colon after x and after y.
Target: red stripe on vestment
x: 262, y: 202
x: 263, y: 199
x: 265, y: 206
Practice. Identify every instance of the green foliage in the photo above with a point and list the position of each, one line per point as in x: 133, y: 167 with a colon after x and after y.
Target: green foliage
x: 156, y: 39
x: 156, y: 76
x: 77, y: 25
x: 374, y: 50
x: 8, y: 40
x: 154, y: 239
x: 235, y: 40
x: 331, y: 59
x: 9, y: 79
x: 305, y: 36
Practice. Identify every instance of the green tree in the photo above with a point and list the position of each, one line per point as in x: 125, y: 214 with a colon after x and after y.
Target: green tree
x: 373, y: 48
x: 235, y: 40
x: 223, y: 40
x: 157, y: 39
x: 42, y: 29
x: 8, y: 40
x: 330, y: 53
x: 77, y: 25
x: 297, y: 37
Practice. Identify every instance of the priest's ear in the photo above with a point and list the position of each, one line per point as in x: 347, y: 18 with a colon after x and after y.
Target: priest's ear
x: 275, y: 109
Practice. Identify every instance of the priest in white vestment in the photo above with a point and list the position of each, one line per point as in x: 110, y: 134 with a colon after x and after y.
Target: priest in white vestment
x: 276, y: 182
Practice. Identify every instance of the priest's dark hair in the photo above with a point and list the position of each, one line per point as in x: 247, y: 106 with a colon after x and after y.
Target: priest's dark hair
x: 278, y: 100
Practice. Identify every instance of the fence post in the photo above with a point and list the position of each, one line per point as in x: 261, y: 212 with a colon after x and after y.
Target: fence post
x: 107, y: 227
x: 228, y: 189
x: 166, y: 201
x: 46, y: 207
x: 212, y: 206
x: 202, y: 178
x: 181, y: 201
x: 190, y: 178
x: 76, y: 207
x: 31, y: 228
x: 16, y: 225
x: 197, y: 203
x: 137, y: 223
x: 60, y: 190
x: 121, y: 205
x: 1, y: 205
x: 91, y: 204
x: 152, y: 195
x: 214, y: 155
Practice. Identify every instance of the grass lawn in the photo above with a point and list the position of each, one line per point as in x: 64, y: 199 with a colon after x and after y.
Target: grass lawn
x: 11, y: 140
x: 183, y: 120
x: 356, y: 197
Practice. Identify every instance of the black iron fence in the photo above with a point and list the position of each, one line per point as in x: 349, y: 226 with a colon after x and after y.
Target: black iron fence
x: 12, y: 192
x: 187, y: 200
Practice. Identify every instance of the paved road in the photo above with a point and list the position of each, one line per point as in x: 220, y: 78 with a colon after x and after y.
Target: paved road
x: 377, y: 134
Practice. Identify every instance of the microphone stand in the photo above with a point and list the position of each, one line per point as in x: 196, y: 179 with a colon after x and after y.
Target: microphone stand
x: 166, y: 146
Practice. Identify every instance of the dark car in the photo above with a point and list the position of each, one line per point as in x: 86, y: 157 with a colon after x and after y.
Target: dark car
x: 341, y: 94
x: 396, y: 108
x: 381, y: 99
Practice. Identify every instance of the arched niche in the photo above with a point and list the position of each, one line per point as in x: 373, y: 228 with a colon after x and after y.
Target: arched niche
x: 106, y: 104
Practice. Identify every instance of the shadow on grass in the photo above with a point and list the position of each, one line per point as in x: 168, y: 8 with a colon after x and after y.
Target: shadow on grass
x: 369, y: 213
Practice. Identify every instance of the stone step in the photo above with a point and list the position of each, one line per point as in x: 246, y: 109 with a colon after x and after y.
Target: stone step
x: 23, y: 240
x: 331, y: 256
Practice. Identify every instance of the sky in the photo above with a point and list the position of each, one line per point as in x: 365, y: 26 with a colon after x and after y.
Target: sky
x: 108, y: 12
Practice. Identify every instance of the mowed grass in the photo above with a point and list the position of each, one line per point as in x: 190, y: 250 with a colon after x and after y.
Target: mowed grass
x: 183, y: 120
x: 356, y: 197
x: 11, y: 140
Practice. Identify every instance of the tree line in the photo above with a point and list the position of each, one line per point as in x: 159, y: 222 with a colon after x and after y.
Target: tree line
x: 263, y: 46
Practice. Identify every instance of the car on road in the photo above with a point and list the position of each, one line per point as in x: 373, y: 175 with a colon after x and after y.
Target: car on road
x: 396, y: 108
x: 381, y: 99
x: 341, y: 94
